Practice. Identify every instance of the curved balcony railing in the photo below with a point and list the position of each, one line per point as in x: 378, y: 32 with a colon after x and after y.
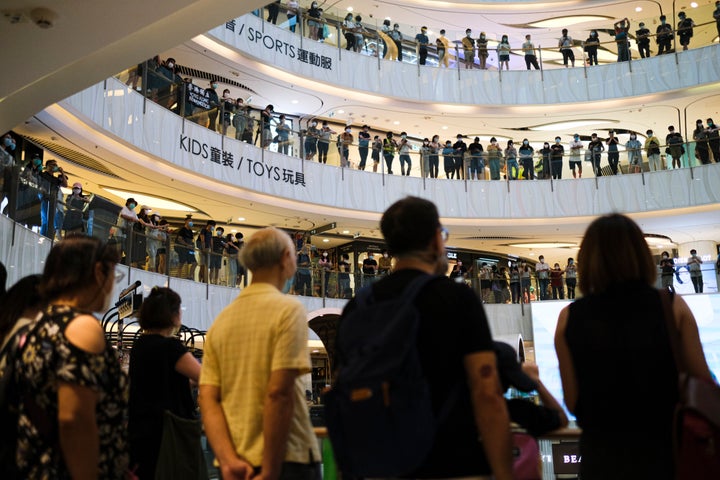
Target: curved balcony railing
x: 330, y: 64
x: 194, y: 148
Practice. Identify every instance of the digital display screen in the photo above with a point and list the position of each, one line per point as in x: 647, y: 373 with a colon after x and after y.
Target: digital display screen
x: 705, y: 308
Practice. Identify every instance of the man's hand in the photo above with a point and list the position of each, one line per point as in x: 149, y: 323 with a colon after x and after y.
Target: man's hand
x: 236, y: 469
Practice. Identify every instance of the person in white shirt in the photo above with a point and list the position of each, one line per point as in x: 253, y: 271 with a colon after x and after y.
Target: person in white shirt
x: 542, y: 270
x: 575, y: 160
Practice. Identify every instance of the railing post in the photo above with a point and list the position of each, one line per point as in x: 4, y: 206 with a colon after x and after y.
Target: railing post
x: 584, y: 60
x: 542, y: 70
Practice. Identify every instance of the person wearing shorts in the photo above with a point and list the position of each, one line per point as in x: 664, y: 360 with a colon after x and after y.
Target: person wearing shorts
x: 575, y: 160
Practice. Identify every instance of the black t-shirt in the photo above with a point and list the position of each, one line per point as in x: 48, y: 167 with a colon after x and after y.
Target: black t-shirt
x: 155, y: 386
x: 452, y: 325
x: 475, y: 148
x: 369, y: 266
x: 185, y: 236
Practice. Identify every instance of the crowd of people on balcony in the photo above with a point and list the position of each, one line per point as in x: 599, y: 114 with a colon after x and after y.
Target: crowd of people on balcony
x: 359, y: 37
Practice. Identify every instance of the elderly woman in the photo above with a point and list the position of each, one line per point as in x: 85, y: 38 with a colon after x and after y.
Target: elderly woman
x: 71, y: 419
x: 616, y: 363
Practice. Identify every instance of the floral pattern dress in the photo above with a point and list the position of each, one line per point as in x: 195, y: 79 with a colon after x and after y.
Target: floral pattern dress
x: 47, y: 359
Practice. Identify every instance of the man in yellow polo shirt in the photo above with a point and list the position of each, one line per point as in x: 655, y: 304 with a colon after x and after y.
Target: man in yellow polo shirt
x: 251, y: 395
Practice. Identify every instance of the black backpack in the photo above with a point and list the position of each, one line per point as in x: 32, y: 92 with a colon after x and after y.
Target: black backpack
x: 379, y: 412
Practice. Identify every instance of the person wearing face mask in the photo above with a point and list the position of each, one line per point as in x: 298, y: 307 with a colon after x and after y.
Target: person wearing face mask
x: 216, y: 255
x: 363, y: 146
x: 460, y: 148
x: 702, y: 148
x: 313, y: 16
x: 385, y: 263
x: 482, y: 50
x: 346, y: 139
x: 72, y: 380
x: 389, y: 147
x: 360, y: 33
x: 75, y: 204
x: 253, y: 409
x: 642, y: 38
x: 239, y: 119
x: 566, y: 48
x: 477, y: 167
x: 449, y: 160
x: 652, y: 150
x: 575, y: 161
x: 311, y: 140
x: 434, y: 159
x: 529, y: 50
x: 323, y: 144
x: 526, y: 159
x: 622, y: 29
x: 545, y: 154
x: 591, y: 47
x: 494, y: 153
x: 512, y: 168
x: 377, y: 146
x: 713, y: 133
x: 50, y: 179
x: 348, y: 28
x: 369, y: 269
x: 7, y: 147
x: 389, y: 48
x: 664, y: 36
x: 468, y: 44
x: 503, y: 51
x: 423, y: 41
x: 266, y: 118
x: 556, y: 159
x: 685, y: 29
x: 203, y: 243
x: 397, y: 38
x: 425, y: 158
x: 185, y: 251
x: 214, y: 101
x: 325, y: 266
x: 228, y: 107
x: 443, y: 48
x: 282, y: 129
x: 693, y: 266
x: 667, y: 270
x: 596, y: 148
x: 570, y: 278
x: 634, y: 152
x: 675, y: 148
x: 404, y: 150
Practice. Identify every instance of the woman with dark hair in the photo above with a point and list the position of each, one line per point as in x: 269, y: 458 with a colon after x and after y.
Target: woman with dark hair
x: 616, y: 364
x: 20, y: 304
x: 71, y: 417
x: 160, y: 372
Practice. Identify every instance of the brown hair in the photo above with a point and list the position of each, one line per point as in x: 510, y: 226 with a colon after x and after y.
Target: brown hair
x: 70, y: 266
x: 614, y: 251
x: 158, y: 308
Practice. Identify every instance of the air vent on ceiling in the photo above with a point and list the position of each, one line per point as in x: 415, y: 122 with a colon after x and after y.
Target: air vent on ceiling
x: 192, y: 72
x: 72, y: 156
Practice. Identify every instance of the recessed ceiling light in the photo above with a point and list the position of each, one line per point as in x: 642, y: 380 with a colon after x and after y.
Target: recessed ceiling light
x: 233, y: 230
x: 241, y: 219
x: 396, y: 122
x: 341, y: 111
x: 345, y: 232
x: 638, y: 9
x: 349, y: 9
x: 325, y: 240
x: 444, y: 127
x: 567, y: 21
x: 154, y: 202
x: 294, y: 102
x: 693, y: 4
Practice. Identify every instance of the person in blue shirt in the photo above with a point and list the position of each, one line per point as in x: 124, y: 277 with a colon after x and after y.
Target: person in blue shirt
x: 422, y: 41
x: 449, y: 160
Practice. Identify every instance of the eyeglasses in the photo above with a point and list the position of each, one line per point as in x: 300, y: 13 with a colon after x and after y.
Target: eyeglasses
x: 444, y: 233
x: 119, y: 275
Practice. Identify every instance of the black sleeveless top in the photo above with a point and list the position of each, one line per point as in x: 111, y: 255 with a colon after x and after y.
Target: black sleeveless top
x: 626, y: 374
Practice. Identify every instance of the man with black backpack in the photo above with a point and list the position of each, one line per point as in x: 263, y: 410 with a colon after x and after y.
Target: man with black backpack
x: 416, y: 383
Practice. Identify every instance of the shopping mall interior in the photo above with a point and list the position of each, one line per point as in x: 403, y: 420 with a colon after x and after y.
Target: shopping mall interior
x: 82, y: 90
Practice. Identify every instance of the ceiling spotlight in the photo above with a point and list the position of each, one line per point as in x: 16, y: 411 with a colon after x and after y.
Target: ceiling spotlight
x: 346, y: 232
x: 241, y: 219
x: 693, y: 4
x: 326, y: 240
x: 638, y: 9
x: 341, y: 111
x: 294, y: 102
x: 396, y: 122
x: 349, y: 9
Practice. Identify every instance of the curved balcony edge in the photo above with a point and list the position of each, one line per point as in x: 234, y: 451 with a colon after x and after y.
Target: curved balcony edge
x: 281, y: 49
x: 113, y: 108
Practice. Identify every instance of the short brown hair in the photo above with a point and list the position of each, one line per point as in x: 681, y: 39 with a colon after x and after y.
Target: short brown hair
x: 614, y: 251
